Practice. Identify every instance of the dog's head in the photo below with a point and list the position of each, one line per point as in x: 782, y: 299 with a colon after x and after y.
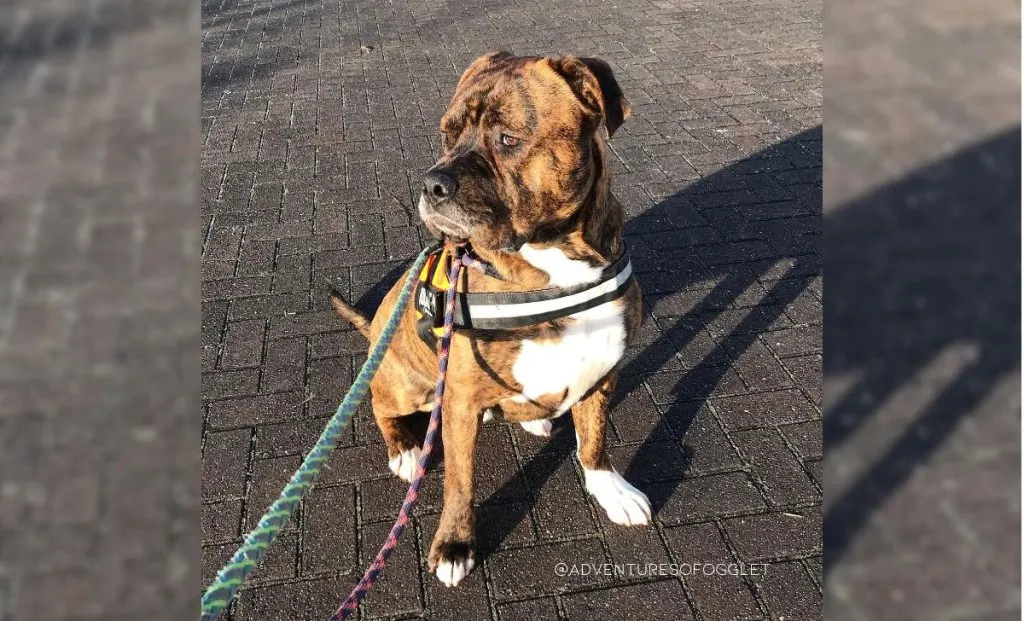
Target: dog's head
x: 518, y: 147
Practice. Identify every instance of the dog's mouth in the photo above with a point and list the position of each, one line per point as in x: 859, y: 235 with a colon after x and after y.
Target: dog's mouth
x: 442, y: 226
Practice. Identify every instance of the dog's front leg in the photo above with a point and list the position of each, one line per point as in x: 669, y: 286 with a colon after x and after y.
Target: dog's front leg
x: 623, y: 503
x: 453, y: 553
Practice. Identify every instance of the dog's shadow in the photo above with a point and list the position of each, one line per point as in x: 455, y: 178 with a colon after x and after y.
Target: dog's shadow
x: 668, y: 242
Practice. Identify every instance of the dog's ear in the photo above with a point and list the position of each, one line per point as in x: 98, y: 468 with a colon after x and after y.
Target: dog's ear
x: 593, y: 82
x: 479, y: 65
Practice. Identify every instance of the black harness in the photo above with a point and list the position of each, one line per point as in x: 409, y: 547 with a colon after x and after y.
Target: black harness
x: 509, y: 310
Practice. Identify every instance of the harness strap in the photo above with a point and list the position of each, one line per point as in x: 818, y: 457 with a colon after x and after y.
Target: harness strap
x: 497, y: 311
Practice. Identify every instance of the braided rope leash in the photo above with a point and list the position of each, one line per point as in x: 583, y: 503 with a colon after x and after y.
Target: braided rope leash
x: 461, y: 259
x: 470, y: 259
x: 220, y: 593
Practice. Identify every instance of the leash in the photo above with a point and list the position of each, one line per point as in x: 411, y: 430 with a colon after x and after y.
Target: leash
x: 224, y: 587
x: 220, y: 593
x: 459, y: 260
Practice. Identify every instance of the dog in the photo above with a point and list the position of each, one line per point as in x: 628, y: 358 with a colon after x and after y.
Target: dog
x: 523, y: 179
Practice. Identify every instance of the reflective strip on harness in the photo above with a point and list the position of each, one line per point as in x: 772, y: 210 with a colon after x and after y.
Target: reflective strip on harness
x: 527, y: 310
x: 506, y: 310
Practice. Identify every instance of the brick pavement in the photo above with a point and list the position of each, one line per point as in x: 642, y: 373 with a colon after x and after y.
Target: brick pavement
x: 922, y: 357
x: 318, y: 120
x: 98, y: 239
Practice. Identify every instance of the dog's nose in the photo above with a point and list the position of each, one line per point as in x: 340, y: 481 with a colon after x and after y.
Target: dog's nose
x: 439, y: 185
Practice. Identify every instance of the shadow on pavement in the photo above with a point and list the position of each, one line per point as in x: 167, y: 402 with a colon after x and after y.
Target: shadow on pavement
x: 921, y: 265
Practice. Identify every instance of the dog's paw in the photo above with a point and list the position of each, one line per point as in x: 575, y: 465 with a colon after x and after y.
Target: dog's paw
x: 404, y: 464
x: 540, y: 427
x: 450, y: 573
x: 623, y: 503
x: 452, y: 561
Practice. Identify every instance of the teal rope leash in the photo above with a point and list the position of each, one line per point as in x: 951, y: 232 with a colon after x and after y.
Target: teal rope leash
x: 220, y: 593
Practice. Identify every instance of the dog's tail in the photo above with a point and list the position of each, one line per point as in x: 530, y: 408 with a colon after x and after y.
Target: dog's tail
x: 350, y: 314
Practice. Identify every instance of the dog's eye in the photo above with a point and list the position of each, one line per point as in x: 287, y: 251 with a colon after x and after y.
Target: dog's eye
x: 510, y: 141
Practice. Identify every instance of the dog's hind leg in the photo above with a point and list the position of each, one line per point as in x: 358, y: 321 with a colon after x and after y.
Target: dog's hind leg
x: 623, y: 503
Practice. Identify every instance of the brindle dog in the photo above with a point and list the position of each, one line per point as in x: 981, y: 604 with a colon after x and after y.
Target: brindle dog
x: 524, y: 178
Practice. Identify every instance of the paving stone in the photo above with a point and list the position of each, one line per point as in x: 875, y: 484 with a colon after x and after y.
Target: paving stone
x: 239, y: 287
x: 795, y: 341
x: 764, y: 409
x: 280, y: 559
x: 267, y: 306
x: 631, y: 602
x: 303, y: 324
x: 531, y: 571
x: 805, y: 437
x: 289, y: 438
x: 467, y: 601
x: 651, y: 461
x: 758, y: 367
x: 292, y: 273
x: 255, y: 410
x: 690, y: 499
x: 705, y: 445
x: 284, y: 367
x: 350, y: 464
x: 561, y: 507
x: 541, y: 608
x: 222, y: 521
x: 700, y: 382
x: 225, y: 384
x: 635, y: 545
x: 397, y: 590
x: 504, y: 526
x: 226, y: 455
x: 802, y: 368
x: 304, y: 600
x: 634, y: 418
x: 651, y: 358
x: 497, y: 477
x: 380, y: 499
x: 788, y: 591
x: 213, y: 558
x: 783, y: 477
x: 334, y: 377
x: 774, y: 535
x: 715, y: 596
x: 267, y: 479
x: 328, y: 541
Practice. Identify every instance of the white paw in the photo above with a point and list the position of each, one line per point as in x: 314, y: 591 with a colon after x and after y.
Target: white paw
x: 624, y: 503
x: 488, y: 415
x: 404, y: 464
x: 451, y: 573
x: 540, y: 427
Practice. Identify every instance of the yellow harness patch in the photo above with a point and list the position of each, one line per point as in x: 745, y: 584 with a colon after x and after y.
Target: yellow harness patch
x: 441, y: 260
x: 435, y: 275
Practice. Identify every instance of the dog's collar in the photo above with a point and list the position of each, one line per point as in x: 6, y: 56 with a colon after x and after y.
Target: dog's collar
x: 508, y: 310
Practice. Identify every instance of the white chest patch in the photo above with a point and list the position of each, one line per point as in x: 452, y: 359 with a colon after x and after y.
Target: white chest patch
x: 592, y: 343
x: 563, y: 271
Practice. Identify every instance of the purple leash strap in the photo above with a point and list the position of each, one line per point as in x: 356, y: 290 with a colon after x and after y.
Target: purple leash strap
x: 462, y: 259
